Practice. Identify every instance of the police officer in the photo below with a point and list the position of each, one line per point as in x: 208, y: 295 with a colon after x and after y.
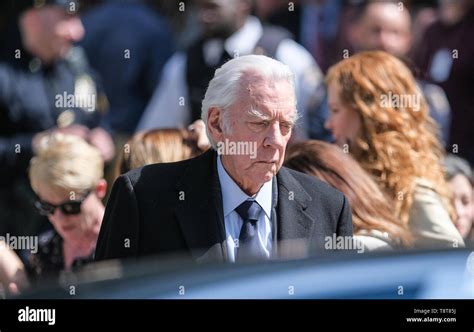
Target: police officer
x: 45, y: 84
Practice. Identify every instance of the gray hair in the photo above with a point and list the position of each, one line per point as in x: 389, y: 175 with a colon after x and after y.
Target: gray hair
x: 223, y: 89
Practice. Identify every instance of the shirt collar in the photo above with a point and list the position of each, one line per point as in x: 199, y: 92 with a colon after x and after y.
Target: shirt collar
x: 233, y: 196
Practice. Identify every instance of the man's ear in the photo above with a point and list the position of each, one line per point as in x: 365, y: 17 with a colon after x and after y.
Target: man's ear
x: 101, y: 188
x: 214, y: 123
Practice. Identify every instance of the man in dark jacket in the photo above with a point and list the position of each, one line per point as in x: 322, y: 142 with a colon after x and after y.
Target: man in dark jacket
x: 236, y: 201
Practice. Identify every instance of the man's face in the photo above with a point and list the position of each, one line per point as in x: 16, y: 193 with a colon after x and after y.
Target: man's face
x: 262, y: 119
x: 384, y: 26
x: 219, y: 18
x: 344, y: 122
x: 50, y: 32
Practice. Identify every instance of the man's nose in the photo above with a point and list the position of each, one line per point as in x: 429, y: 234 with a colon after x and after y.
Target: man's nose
x: 274, y: 136
x: 384, y: 41
x: 71, y: 29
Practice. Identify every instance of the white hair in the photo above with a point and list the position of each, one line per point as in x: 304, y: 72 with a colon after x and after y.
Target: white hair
x: 224, y: 88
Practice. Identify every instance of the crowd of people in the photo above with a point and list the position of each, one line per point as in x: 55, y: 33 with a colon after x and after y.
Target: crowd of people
x: 358, y: 112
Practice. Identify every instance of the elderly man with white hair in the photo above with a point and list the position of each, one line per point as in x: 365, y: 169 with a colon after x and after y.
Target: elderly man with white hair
x: 235, y: 202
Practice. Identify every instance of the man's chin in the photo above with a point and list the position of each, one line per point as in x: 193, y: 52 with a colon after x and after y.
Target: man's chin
x: 267, y: 176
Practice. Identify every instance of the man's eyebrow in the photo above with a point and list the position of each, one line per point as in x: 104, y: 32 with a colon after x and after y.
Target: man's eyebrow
x: 293, y: 119
x: 256, y: 113
x: 264, y: 117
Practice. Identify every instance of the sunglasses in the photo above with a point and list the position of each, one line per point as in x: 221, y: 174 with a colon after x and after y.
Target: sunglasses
x: 68, y: 207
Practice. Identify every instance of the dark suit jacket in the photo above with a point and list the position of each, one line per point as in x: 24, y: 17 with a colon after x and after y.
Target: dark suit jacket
x: 177, y: 207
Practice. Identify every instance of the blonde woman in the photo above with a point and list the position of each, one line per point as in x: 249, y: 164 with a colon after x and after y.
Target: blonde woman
x: 67, y: 176
x: 380, y: 117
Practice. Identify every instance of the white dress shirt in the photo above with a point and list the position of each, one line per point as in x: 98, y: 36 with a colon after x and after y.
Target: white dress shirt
x: 232, y: 197
x: 169, y: 106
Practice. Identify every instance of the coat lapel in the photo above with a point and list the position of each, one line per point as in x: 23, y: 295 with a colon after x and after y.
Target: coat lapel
x: 295, y: 227
x: 199, y: 210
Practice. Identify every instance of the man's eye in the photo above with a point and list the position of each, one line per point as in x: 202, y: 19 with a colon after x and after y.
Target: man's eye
x: 286, y: 128
x: 260, y: 124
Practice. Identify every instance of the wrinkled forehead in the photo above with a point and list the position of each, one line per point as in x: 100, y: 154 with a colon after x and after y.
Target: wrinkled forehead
x: 256, y: 89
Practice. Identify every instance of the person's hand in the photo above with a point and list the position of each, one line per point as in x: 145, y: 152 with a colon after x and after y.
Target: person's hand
x: 198, y: 130
x: 12, y: 271
x: 101, y: 139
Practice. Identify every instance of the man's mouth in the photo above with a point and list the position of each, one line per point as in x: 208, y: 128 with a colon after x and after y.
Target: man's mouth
x: 267, y: 162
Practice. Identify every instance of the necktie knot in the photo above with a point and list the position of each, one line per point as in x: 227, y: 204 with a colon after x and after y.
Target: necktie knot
x: 249, y: 211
